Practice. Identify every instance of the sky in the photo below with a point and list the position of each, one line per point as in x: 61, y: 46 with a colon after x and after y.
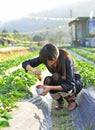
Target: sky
x: 15, y: 9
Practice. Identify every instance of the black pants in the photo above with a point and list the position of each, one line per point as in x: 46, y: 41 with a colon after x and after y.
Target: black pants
x: 54, y: 80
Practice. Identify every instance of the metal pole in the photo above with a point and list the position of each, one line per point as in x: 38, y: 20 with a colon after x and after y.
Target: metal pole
x: 88, y: 35
x: 71, y: 26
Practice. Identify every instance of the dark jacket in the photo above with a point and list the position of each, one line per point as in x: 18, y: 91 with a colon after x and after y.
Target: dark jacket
x: 73, y: 78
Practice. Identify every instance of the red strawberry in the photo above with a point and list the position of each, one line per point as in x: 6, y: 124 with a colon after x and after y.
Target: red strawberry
x: 39, y: 86
x: 40, y: 78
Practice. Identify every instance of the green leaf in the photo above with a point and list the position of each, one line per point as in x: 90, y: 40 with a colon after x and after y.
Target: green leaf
x: 3, y: 122
x: 6, y: 115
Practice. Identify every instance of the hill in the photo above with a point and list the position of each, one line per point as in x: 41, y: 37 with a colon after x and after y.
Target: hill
x: 35, y: 22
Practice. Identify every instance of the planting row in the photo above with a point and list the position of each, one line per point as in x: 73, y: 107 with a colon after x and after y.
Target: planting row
x: 17, y: 85
x: 14, y: 62
x: 89, y: 56
x: 87, y: 71
x: 89, y: 49
x: 13, y: 88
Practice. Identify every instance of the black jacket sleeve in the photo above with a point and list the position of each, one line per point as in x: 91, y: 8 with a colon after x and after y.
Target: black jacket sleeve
x: 32, y: 62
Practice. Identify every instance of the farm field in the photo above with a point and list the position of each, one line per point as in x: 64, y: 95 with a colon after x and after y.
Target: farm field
x: 61, y: 119
x: 14, y: 85
x: 13, y: 55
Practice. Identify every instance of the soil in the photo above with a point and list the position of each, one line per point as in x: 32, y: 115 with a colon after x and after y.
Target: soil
x: 61, y: 119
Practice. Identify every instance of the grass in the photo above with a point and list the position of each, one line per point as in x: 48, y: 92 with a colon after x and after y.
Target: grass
x: 61, y: 119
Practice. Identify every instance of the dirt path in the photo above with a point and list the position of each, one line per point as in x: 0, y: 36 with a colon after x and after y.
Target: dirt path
x: 61, y: 119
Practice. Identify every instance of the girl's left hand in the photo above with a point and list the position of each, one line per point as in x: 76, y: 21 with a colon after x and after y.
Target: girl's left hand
x: 46, y: 89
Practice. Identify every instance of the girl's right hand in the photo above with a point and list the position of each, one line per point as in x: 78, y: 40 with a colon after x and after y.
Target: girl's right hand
x: 36, y: 72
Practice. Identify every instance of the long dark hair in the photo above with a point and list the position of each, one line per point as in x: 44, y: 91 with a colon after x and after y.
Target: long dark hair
x: 48, y: 52
x: 62, y: 59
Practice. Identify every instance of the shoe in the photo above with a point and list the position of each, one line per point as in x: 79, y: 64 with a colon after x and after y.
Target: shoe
x: 71, y: 101
x: 60, y: 105
x: 72, y: 105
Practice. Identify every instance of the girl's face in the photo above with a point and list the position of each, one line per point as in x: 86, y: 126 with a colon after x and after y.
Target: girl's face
x: 52, y: 63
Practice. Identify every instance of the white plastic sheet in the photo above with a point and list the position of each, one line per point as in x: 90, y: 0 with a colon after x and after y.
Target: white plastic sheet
x: 84, y: 114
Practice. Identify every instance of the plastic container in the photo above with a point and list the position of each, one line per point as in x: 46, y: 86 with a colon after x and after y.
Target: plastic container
x: 39, y: 89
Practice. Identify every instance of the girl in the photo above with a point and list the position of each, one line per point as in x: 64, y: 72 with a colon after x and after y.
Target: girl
x: 65, y: 80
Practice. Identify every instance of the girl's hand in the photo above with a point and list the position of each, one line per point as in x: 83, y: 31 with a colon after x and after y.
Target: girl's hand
x: 36, y: 72
x: 46, y: 89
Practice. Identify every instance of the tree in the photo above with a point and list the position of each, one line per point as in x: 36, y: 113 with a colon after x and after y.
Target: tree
x: 16, y: 33
x: 4, y: 33
x: 38, y: 38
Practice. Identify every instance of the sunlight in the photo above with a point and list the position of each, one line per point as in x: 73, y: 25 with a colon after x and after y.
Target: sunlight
x: 13, y: 9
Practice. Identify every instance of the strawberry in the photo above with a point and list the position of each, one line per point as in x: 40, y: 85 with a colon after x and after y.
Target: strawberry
x: 39, y: 86
x: 40, y: 79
